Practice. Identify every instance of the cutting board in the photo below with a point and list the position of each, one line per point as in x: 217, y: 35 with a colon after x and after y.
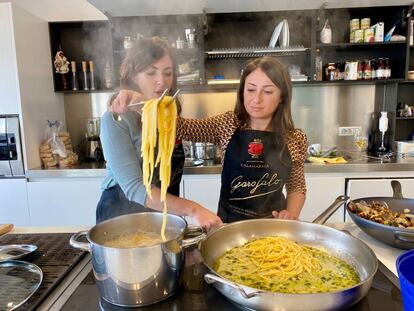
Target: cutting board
x: 4, y: 228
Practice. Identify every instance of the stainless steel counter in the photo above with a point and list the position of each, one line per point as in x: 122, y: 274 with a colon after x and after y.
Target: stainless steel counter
x: 95, y: 170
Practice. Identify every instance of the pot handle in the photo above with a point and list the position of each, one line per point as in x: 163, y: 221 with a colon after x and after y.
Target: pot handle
x: 199, y: 236
x: 76, y: 244
x: 212, y: 278
x: 396, y: 189
x: 407, y: 237
x: 322, y: 218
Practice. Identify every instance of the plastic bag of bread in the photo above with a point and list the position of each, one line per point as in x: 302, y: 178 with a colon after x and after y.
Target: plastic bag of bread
x: 56, y: 148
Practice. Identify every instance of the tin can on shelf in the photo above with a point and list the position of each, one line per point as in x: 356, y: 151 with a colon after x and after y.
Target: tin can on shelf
x: 369, y: 35
x: 354, y: 24
x: 359, y: 36
x: 365, y: 23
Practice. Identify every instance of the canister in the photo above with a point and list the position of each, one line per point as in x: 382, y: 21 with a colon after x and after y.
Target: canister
x: 354, y: 24
x: 365, y: 23
x: 369, y: 35
x: 359, y: 36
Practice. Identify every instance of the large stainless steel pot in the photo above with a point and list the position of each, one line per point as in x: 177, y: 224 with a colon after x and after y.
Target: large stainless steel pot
x: 394, y: 236
x: 142, y: 275
x: 338, y: 243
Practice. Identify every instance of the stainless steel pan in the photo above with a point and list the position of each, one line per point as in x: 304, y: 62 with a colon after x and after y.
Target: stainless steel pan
x: 341, y: 244
x: 393, y: 236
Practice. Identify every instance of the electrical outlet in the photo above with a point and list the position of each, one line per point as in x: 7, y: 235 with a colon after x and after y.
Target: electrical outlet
x: 348, y: 130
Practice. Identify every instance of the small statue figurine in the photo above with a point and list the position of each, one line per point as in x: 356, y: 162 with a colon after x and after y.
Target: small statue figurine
x: 62, y: 67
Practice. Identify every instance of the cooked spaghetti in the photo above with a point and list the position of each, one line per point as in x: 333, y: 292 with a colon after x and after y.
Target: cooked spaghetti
x: 279, y: 264
x: 135, y: 239
x: 159, y: 119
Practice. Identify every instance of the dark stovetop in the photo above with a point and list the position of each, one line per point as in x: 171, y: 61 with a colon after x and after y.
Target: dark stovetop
x: 195, y: 294
x: 54, y: 256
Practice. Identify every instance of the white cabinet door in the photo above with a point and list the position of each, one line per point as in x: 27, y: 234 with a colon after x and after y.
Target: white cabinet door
x: 321, y: 193
x: 63, y: 202
x: 13, y: 204
x: 203, y: 189
x: 9, y: 103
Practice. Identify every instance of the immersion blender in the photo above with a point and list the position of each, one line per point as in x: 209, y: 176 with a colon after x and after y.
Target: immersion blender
x: 383, y: 127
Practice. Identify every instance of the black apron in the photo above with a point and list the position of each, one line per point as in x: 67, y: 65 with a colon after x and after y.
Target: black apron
x: 114, y: 203
x: 255, y: 169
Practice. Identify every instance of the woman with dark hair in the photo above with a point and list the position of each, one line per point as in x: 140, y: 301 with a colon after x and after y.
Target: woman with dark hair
x: 262, y: 151
x: 147, y: 71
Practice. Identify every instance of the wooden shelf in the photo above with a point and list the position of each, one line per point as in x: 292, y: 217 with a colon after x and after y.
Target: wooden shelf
x: 404, y: 118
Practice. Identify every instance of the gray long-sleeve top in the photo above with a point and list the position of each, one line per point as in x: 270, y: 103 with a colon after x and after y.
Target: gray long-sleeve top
x: 121, y: 143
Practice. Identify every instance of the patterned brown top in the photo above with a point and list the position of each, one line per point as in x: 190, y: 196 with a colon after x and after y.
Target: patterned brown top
x: 219, y: 130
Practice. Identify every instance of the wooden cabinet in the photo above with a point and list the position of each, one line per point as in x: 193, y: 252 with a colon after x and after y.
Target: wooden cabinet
x: 13, y: 206
x: 63, y: 201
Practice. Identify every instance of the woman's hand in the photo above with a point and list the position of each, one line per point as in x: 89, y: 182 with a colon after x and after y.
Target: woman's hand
x: 123, y: 99
x: 206, y: 218
x: 284, y: 214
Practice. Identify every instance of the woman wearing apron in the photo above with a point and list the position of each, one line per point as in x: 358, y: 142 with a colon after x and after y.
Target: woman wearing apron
x: 147, y: 70
x: 263, y: 152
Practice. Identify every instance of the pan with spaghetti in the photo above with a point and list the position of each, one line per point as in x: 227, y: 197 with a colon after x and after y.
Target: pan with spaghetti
x: 138, y: 259
x: 273, y: 264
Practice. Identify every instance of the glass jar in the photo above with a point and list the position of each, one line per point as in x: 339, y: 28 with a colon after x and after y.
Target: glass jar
x: 331, y: 72
x: 360, y: 70
x: 373, y: 69
x: 379, y: 73
x: 127, y: 42
x: 387, y: 69
x: 367, y: 70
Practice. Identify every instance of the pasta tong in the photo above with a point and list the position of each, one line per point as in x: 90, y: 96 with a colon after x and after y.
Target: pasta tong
x: 118, y: 117
x: 159, y: 100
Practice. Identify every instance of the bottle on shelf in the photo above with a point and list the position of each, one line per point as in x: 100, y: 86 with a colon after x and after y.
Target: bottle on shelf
x: 85, y: 76
x: 91, y: 69
x: 74, y: 78
x: 318, y: 66
x: 387, y: 69
x: 108, y: 76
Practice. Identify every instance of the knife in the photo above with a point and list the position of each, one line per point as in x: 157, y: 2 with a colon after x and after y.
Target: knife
x: 4, y: 228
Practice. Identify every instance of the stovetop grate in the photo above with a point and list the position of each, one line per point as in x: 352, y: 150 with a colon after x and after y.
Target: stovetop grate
x: 54, y: 256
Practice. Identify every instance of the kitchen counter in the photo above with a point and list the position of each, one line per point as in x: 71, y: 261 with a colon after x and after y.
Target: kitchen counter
x: 93, y: 169
x: 385, y: 254
x: 79, y: 291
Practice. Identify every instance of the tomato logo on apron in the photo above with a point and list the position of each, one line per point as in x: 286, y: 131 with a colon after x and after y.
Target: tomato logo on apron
x: 255, y: 148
